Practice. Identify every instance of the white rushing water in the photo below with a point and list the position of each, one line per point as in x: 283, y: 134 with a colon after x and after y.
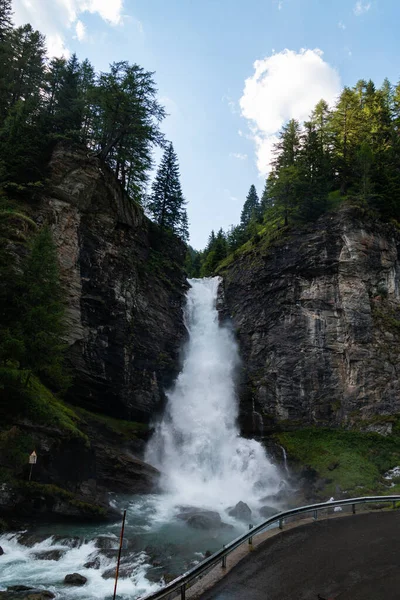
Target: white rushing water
x: 197, y: 446
x: 204, y: 463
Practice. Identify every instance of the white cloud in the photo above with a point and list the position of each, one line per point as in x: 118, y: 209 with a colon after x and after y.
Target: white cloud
x: 231, y: 103
x: 80, y: 31
x: 361, y: 7
x: 284, y: 86
x: 341, y: 25
x: 55, y: 17
x: 238, y: 155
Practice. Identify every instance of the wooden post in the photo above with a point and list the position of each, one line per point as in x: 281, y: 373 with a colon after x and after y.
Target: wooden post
x: 121, y: 539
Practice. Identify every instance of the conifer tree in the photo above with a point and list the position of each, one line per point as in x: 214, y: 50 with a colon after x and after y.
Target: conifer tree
x: 287, y: 148
x: 28, y: 47
x: 5, y: 19
x: 346, y: 127
x: 251, y: 207
x: 68, y: 110
x: 215, y: 252
x: 5, y: 54
x: 167, y: 204
x: 42, y: 311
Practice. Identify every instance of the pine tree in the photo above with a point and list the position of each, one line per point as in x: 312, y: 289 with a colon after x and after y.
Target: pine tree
x: 87, y: 82
x: 28, y: 47
x: 5, y: 19
x: 215, y: 252
x: 287, y: 148
x: 314, y: 174
x: 126, y: 123
x: 67, y: 115
x: 251, y: 207
x: 5, y: 55
x: 167, y: 204
x: 42, y: 311
x: 53, y: 84
x: 345, y: 125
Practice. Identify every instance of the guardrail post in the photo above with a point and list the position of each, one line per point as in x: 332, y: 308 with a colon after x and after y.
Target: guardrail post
x: 315, y: 515
x: 280, y: 523
x: 353, y: 507
x: 183, y: 591
x: 224, y: 560
x: 250, y: 538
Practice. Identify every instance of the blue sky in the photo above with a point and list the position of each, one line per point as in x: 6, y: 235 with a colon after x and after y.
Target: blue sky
x: 224, y: 111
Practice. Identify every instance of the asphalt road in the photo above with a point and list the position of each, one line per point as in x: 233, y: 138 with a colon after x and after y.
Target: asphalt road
x: 349, y: 558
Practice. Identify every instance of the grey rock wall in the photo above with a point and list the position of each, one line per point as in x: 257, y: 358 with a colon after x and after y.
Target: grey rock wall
x: 317, y: 316
x: 124, y: 285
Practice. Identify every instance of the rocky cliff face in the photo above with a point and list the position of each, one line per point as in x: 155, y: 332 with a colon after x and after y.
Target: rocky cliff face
x: 317, y: 314
x: 125, y: 287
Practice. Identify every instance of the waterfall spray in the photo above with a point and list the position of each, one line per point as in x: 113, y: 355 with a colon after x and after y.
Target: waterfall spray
x: 197, y: 446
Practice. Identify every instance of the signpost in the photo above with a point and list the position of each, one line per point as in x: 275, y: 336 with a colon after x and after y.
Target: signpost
x: 32, y: 461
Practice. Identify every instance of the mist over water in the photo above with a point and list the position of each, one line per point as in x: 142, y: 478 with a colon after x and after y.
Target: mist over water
x: 197, y: 446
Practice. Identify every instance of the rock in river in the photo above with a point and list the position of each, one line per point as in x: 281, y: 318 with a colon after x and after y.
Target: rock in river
x: 241, y: 511
x: 75, y: 579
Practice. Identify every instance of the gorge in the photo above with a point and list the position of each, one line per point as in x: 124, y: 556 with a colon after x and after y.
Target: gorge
x: 294, y: 343
x: 206, y: 469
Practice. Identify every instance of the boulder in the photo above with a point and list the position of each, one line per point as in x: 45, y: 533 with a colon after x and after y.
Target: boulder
x: 75, y: 579
x: 201, y: 519
x: 241, y: 511
x: 49, y: 554
x: 125, y: 571
x: 31, y: 539
x: 22, y: 592
x: 93, y: 564
x: 105, y: 542
x: 71, y: 542
x: 268, y: 511
x: 1, y: 551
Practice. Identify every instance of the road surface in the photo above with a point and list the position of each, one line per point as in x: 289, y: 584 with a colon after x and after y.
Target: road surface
x: 349, y: 558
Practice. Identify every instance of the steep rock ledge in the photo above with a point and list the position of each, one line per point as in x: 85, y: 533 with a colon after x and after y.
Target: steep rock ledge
x: 125, y: 287
x: 317, y: 315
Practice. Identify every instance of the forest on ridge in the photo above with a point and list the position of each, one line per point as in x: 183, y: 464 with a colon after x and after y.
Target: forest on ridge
x: 348, y: 153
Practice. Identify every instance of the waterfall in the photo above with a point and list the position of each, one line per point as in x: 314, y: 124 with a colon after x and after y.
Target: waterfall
x: 197, y: 445
x: 284, y: 459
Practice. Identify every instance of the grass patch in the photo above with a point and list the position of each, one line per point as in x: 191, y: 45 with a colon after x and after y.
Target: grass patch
x: 35, y: 402
x: 355, y: 461
x: 268, y: 236
x: 386, y: 318
x: 127, y: 430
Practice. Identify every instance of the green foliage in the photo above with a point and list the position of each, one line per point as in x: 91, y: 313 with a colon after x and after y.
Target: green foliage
x: 42, y: 311
x: 251, y: 208
x: 15, y: 447
x: 167, y: 204
x: 193, y: 262
x: 347, y: 154
x: 24, y: 396
x: 215, y: 252
x: 51, y: 493
x: 127, y: 430
x: 354, y: 461
x: 115, y: 114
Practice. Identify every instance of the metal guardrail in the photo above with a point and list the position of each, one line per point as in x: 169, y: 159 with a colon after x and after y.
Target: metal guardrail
x: 180, y: 584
